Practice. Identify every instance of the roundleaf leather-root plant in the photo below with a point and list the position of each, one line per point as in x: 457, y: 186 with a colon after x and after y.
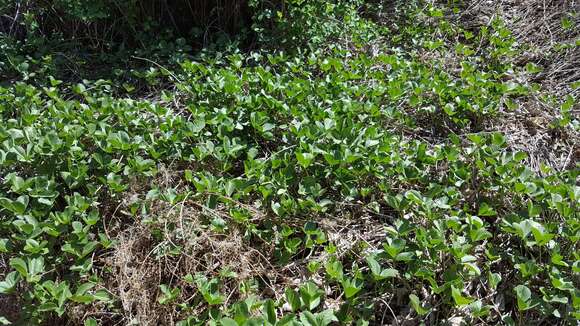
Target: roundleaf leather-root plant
x: 352, y: 173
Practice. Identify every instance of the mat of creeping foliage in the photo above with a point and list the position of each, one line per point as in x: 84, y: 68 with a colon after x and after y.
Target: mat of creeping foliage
x: 343, y: 185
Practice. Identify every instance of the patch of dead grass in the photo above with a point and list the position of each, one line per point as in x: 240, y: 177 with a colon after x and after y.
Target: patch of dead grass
x: 143, y: 259
x: 538, y: 30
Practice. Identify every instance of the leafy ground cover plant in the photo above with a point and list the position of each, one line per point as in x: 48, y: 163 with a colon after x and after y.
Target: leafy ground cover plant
x: 353, y: 182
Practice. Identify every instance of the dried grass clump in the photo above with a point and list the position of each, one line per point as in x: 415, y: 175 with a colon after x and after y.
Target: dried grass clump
x: 142, y: 261
x: 528, y: 130
x: 137, y: 277
x: 538, y: 23
x: 537, y: 27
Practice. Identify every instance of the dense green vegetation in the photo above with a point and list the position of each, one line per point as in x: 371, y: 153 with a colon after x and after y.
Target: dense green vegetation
x: 344, y: 169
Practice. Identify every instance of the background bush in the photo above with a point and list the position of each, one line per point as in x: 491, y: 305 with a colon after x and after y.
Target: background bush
x: 121, y: 20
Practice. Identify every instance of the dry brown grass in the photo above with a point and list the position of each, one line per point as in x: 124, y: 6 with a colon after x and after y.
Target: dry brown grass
x: 141, y: 262
x: 537, y: 28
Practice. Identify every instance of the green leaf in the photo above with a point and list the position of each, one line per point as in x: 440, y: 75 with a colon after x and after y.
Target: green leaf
x: 522, y: 228
x: 351, y: 287
x: 494, y: 279
x: 197, y: 125
x: 459, y: 299
x: 540, y: 235
x: 374, y: 265
x: 35, y: 268
x: 20, y: 266
x: 4, y: 245
x: 293, y: 299
x: 7, y: 286
x: 478, y: 309
x: 63, y: 293
x: 378, y: 272
x: 334, y: 269
x: 102, y: 295
x: 561, y: 284
x: 416, y: 304
x: 486, y: 210
x: 323, y: 318
x: 270, y: 311
x: 311, y: 295
x: 405, y: 256
x: 90, y: 322
x: 533, y: 209
x: 18, y: 206
x: 304, y: 159
x: 228, y: 322
x: 479, y: 234
x: 277, y: 208
x: 524, y: 297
